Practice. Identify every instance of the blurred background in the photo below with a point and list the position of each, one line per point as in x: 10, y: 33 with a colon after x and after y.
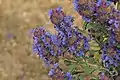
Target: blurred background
x: 17, y: 18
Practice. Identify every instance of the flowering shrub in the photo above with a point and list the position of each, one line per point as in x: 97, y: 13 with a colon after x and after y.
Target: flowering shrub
x: 90, y: 54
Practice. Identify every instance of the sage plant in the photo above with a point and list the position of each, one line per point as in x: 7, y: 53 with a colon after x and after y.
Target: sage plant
x: 90, y: 54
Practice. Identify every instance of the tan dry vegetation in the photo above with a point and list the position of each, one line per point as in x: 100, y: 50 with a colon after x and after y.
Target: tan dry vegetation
x: 17, y: 18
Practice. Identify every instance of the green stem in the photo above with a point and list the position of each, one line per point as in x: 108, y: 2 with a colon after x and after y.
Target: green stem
x: 118, y: 5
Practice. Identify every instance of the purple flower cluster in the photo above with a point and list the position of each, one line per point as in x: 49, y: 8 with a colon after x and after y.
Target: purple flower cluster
x: 99, y: 11
x: 69, y: 36
x: 102, y: 13
x: 67, y: 39
x: 111, y: 56
x: 110, y: 51
x: 47, y: 47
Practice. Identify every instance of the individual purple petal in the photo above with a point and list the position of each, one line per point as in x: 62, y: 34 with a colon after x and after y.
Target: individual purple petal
x: 54, y: 39
x: 86, y: 19
x: 116, y: 24
x: 48, y: 34
x: 56, y: 65
x: 59, y: 9
x: 69, y: 20
x: 43, y: 38
x: 99, y: 2
x: 80, y: 53
x: 69, y: 76
x: 50, y: 12
x: 110, y: 21
x: 51, y: 72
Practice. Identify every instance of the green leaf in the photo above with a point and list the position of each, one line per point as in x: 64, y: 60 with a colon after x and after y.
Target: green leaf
x: 67, y: 62
x: 65, y: 78
x: 94, y: 45
x: 118, y: 46
x: 113, y: 71
x: 91, y: 25
x: 85, y: 25
x: 118, y: 5
x: 118, y: 68
x: 91, y: 61
x: 81, y: 77
x: 72, y: 68
x: 82, y: 62
x: 95, y: 78
x: 88, y: 70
